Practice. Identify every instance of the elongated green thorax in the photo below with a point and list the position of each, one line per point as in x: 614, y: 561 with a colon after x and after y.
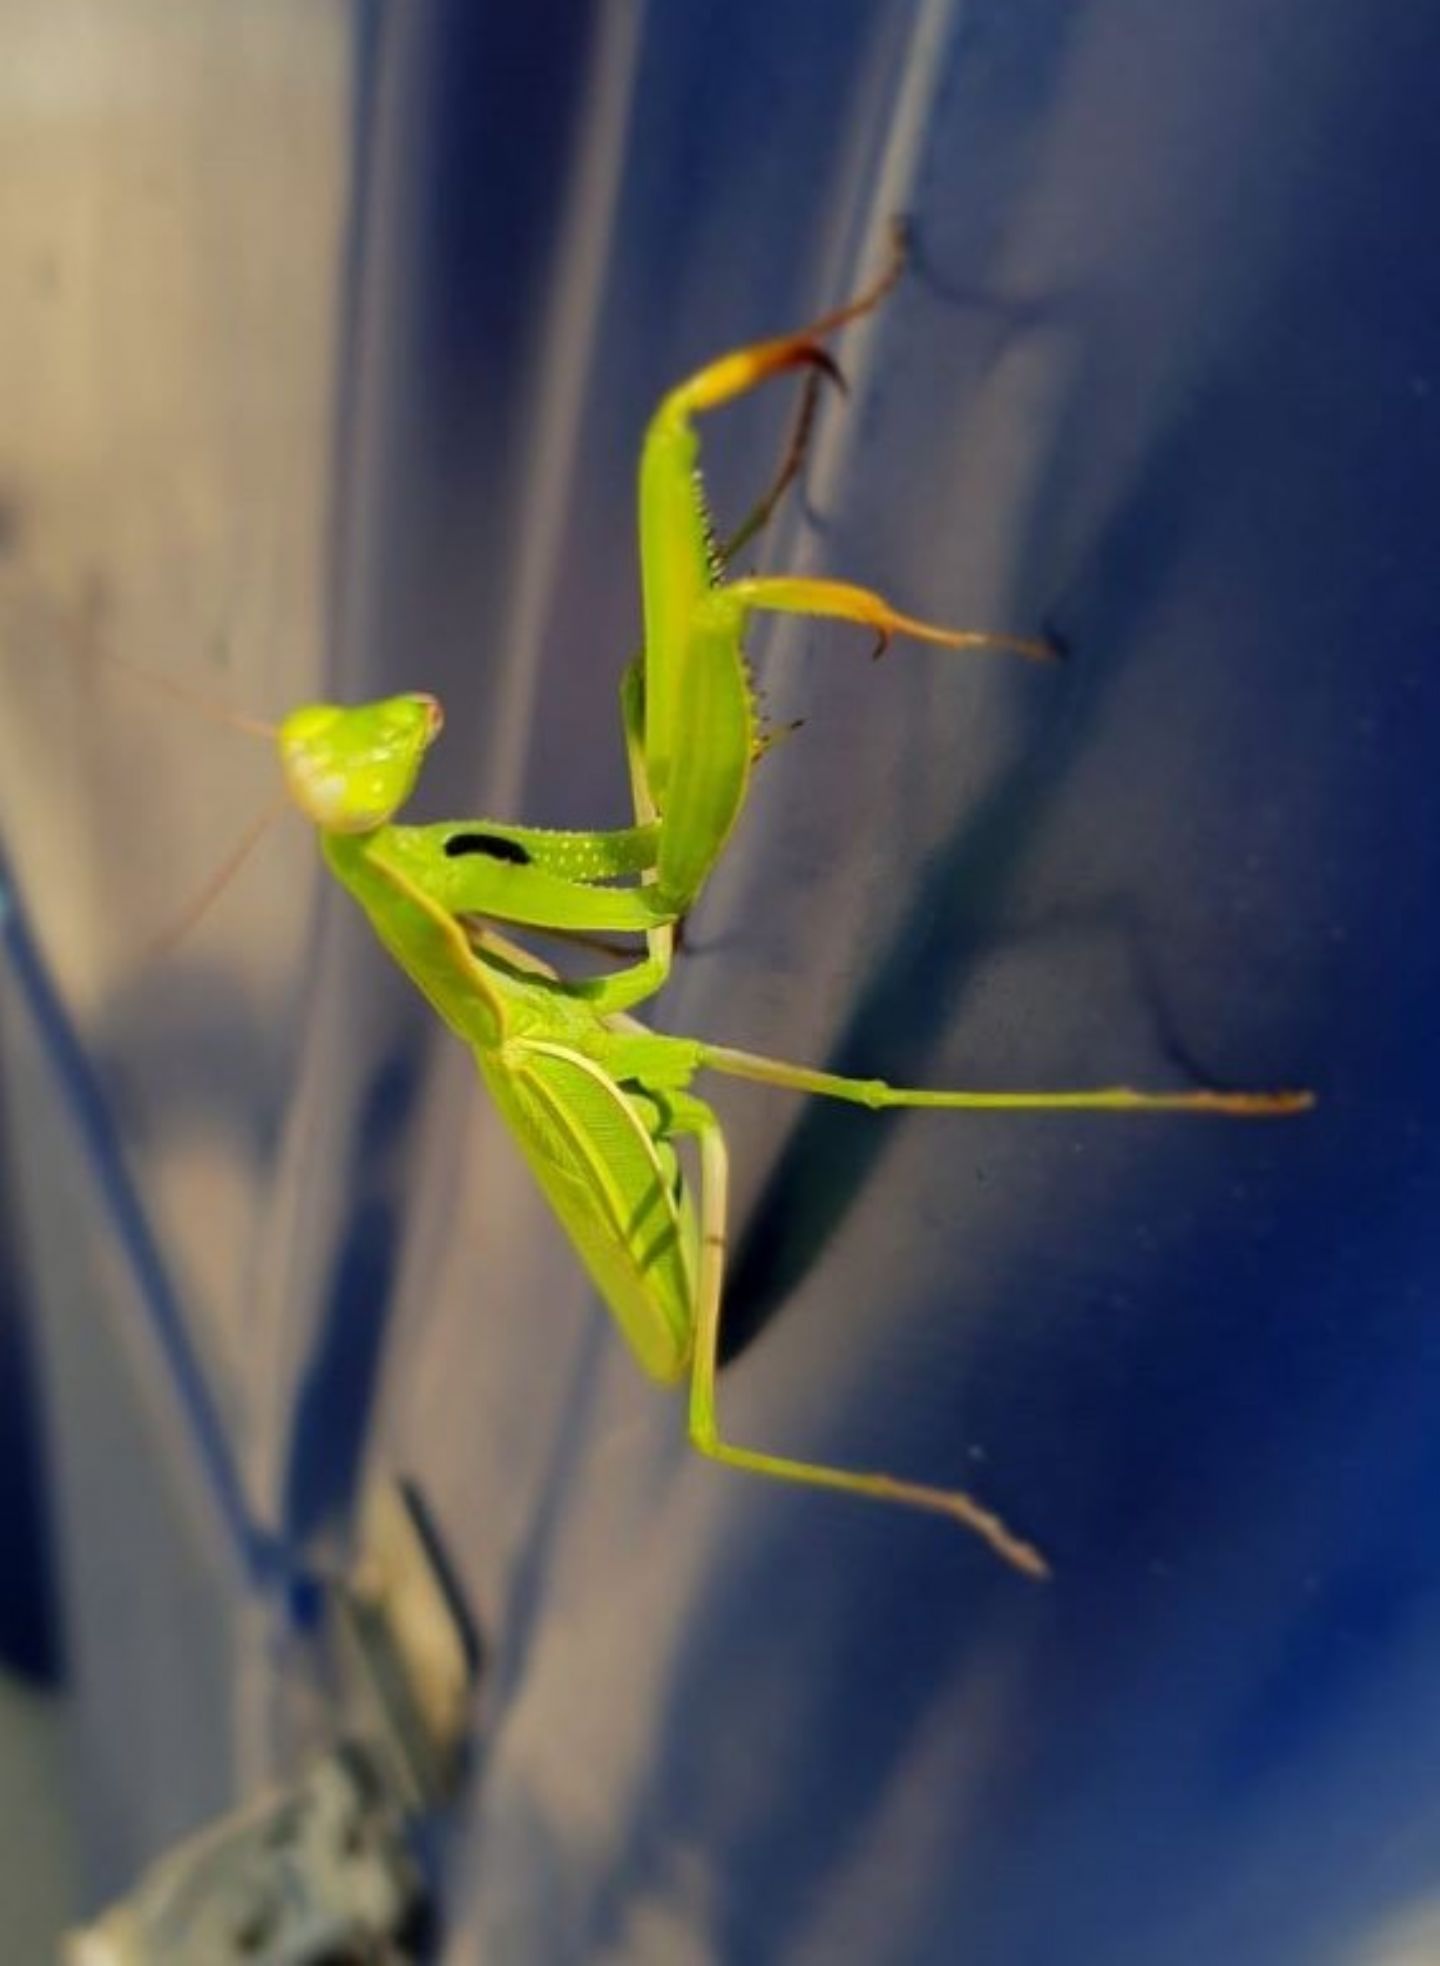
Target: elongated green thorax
x: 429, y: 945
x: 349, y: 771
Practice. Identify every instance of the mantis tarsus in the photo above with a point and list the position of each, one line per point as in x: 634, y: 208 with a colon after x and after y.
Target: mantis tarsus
x: 596, y: 1101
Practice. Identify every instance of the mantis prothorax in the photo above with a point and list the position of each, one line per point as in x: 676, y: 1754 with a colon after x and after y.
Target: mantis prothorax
x: 596, y: 1101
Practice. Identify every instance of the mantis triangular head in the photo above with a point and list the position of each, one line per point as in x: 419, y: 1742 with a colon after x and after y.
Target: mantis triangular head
x: 351, y: 770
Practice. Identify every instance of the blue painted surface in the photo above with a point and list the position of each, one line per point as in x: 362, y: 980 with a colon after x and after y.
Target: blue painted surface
x: 1164, y: 378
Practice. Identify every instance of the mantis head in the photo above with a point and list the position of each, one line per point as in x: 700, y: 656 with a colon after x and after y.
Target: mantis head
x: 351, y: 770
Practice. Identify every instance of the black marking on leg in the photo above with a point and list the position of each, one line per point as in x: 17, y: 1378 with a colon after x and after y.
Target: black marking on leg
x: 493, y: 845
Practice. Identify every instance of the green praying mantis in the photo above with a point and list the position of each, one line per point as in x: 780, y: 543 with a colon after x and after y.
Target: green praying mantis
x: 596, y: 1101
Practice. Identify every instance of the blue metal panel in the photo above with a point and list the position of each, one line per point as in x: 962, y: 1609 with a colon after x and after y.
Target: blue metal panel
x: 1163, y: 379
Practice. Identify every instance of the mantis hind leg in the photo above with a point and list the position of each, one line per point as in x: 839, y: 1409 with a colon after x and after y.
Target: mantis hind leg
x: 695, y: 1118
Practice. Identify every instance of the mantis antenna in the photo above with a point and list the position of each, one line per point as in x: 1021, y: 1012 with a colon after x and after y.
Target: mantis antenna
x: 195, y: 700
x: 171, y: 936
x: 216, y: 883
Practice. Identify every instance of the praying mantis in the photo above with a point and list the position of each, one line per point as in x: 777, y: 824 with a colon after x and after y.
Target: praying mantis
x: 595, y: 1100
